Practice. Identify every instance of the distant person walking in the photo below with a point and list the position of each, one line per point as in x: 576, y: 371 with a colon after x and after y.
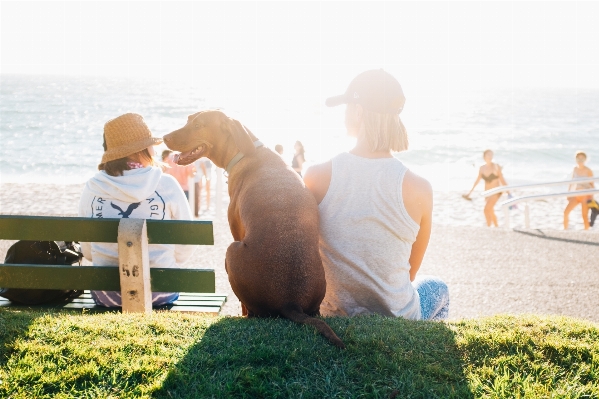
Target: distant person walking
x: 580, y: 171
x: 375, y: 214
x: 203, y: 167
x: 129, y: 185
x: 180, y: 173
x: 298, y: 158
x: 491, y: 173
x: 165, y: 154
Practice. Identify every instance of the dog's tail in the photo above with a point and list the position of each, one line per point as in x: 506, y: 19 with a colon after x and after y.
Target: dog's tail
x: 295, y: 313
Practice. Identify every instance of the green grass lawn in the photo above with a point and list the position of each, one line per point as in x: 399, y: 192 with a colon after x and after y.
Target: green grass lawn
x: 167, y: 355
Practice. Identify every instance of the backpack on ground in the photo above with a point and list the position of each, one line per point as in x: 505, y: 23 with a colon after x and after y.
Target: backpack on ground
x: 42, y: 253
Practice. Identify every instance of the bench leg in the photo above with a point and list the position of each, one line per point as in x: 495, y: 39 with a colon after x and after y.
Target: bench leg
x: 134, y: 266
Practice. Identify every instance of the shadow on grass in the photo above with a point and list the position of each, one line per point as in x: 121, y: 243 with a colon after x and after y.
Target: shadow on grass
x: 13, y: 325
x: 274, y: 358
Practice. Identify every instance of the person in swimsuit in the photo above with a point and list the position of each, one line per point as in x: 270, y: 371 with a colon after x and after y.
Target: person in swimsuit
x: 279, y: 149
x: 491, y: 173
x: 580, y: 171
x: 203, y: 168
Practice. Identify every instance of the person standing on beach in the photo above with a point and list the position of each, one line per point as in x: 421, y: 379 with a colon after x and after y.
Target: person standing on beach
x: 279, y: 149
x: 180, y: 173
x: 203, y: 167
x: 375, y: 214
x: 130, y: 185
x: 580, y: 171
x: 297, y: 163
x: 491, y: 173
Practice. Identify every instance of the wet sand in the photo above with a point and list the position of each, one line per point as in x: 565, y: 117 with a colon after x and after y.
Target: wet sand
x: 488, y: 271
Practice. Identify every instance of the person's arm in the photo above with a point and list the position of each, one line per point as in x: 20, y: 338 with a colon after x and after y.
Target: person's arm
x: 318, y: 178
x: 420, y: 207
x: 501, y: 178
x: 591, y: 175
x: 301, y: 160
x: 475, y: 183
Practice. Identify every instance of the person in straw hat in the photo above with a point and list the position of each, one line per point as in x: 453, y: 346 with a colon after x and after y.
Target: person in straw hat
x: 130, y: 185
x: 375, y: 214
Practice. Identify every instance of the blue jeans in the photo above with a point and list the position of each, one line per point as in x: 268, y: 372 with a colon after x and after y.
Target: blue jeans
x: 434, y: 297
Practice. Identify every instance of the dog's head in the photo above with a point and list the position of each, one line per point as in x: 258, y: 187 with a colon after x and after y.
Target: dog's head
x: 210, y: 134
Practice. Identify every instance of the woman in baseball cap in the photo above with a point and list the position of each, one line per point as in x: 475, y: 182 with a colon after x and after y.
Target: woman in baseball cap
x: 375, y: 214
x: 130, y: 185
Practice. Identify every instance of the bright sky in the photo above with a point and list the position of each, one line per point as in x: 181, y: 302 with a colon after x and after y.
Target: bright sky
x: 423, y: 43
x: 260, y: 53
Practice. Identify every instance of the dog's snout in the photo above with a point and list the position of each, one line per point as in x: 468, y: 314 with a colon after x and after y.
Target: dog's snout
x: 169, y: 140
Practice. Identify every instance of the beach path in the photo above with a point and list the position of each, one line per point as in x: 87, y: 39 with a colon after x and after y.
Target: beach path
x: 491, y: 271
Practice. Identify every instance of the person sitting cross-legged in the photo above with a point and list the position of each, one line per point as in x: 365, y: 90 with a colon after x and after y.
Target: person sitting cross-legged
x: 375, y: 214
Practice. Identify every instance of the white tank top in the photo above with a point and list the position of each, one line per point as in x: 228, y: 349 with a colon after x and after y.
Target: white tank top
x: 366, y: 238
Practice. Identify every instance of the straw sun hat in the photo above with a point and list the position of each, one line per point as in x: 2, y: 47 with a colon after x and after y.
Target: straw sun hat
x: 126, y: 135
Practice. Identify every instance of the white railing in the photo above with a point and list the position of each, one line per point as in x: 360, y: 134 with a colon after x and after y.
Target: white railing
x: 502, y: 189
x: 506, y: 204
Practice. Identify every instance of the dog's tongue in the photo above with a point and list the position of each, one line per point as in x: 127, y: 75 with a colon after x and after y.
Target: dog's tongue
x: 185, y: 158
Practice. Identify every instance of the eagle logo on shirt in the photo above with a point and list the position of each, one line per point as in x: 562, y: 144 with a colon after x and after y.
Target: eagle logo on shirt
x: 126, y: 213
x: 152, y: 207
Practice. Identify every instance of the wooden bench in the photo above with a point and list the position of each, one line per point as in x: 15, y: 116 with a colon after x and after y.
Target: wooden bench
x: 133, y: 276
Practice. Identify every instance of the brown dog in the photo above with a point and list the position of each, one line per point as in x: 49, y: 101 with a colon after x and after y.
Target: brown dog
x: 274, y: 265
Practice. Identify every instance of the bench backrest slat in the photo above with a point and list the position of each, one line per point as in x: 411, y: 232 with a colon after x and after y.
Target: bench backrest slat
x: 49, y: 228
x: 103, y: 278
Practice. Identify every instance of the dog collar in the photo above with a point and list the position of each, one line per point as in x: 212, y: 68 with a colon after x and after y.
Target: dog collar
x: 239, y: 156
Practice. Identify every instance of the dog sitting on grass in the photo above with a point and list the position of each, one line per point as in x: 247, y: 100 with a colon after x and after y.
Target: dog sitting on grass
x: 274, y: 264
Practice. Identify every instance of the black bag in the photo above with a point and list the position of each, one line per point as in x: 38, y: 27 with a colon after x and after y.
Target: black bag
x: 42, y: 253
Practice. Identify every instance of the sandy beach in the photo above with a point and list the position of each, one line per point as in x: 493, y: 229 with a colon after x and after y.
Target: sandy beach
x: 489, y: 271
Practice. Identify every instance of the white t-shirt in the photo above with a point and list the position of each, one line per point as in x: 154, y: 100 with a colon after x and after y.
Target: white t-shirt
x: 145, y: 193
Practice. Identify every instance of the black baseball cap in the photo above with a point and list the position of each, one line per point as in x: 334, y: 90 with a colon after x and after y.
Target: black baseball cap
x: 375, y: 90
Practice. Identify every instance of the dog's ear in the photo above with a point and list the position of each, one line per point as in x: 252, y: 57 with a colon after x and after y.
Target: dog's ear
x: 254, y: 138
x: 241, y: 137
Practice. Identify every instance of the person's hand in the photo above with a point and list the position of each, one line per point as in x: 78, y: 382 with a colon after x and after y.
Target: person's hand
x: 467, y: 197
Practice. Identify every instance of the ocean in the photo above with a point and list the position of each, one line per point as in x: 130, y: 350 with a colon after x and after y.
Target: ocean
x: 51, y: 127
